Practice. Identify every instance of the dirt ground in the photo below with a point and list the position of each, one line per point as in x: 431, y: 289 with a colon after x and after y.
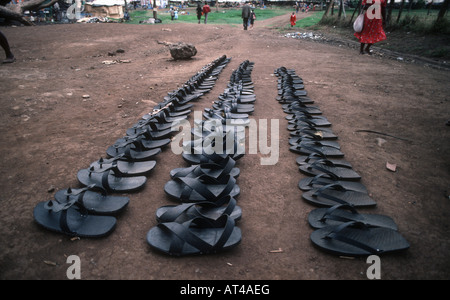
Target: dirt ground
x: 49, y: 132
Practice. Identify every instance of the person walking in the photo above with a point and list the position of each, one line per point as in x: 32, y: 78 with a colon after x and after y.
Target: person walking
x: 293, y: 19
x: 245, y: 14
x: 5, y: 45
x: 206, y: 10
x: 199, y: 12
x: 252, y: 19
x: 374, y: 20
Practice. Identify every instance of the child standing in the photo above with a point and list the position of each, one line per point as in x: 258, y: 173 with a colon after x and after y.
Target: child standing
x: 252, y: 19
x: 293, y: 19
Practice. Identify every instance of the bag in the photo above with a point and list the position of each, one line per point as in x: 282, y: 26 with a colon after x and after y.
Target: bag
x: 358, y: 25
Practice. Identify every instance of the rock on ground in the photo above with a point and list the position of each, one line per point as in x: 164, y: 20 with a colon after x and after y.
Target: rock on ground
x: 182, y: 51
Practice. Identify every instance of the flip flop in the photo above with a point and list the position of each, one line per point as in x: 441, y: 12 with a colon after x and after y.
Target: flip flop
x: 212, y: 128
x: 136, y: 129
x: 214, y: 170
x: 317, y: 121
x: 72, y: 220
x: 240, y: 99
x: 294, y: 141
x: 156, y: 119
x: 133, y: 152
x: 221, y: 103
x: 183, y: 98
x: 197, y: 236
x: 205, y: 209
x: 218, y: 114
x: 172, y: 112
x: 146, y: 143
x: 110, y: 182
x: 293, y: 92
x: 322, y: 132
x: 204, y: 157
x: 309, y: 183
x: 202, y: 188
x: 92, y: 201
x: 197, y: 159
x: 341, y: 171
x: 356, y: 239
x: 338, y: 214
x: 233, y: 107
x: 292, y: 99
x: 122, y: 167
x: 161, y: 116
x: 313, y: 157
x: 176, y: 104
x: 291, y: 84
x: 150, y: 131
x: 332, y: 194
x: 317, y: 147
x: 197, y: 152
x: 313, y: 136
x: 298, y: 107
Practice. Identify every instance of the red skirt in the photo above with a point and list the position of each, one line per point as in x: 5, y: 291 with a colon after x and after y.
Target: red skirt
x: 372, y: 32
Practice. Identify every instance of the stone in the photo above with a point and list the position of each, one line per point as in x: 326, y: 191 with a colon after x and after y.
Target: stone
x: 182, y: 51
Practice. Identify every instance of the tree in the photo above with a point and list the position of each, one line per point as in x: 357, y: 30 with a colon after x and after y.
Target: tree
x: 357, y: 9
x: 389, y: 11
x: 330, y: 7
x: 12, y: 11
x: 400, y: 11
x: 442, y: 11
x: 327, y: 11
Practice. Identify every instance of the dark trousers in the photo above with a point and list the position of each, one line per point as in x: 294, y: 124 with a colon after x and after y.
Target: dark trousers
x: 245, y: 23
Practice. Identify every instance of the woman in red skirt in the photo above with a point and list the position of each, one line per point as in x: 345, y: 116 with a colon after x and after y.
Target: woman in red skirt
x: 374, y: 20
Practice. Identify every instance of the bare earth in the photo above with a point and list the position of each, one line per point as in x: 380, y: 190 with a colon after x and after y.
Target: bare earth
x: 49, y: 132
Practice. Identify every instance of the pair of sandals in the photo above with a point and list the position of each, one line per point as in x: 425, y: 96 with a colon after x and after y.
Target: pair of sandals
x: 86, y: 212
x: 342, y: 230
x: 204, y: 182
x: 205, y: 221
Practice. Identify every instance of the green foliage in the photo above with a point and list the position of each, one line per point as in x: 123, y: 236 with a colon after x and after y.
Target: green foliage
x: 222, y: 16
x: 416, y: 20
x: 310, y: 21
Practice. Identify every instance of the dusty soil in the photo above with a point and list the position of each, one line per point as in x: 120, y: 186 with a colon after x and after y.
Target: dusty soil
x: 49, y: 132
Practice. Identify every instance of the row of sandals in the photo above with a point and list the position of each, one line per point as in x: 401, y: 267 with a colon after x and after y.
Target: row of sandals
x: 331, y: 184
x: 205, y: 220
x: 91, y: 211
